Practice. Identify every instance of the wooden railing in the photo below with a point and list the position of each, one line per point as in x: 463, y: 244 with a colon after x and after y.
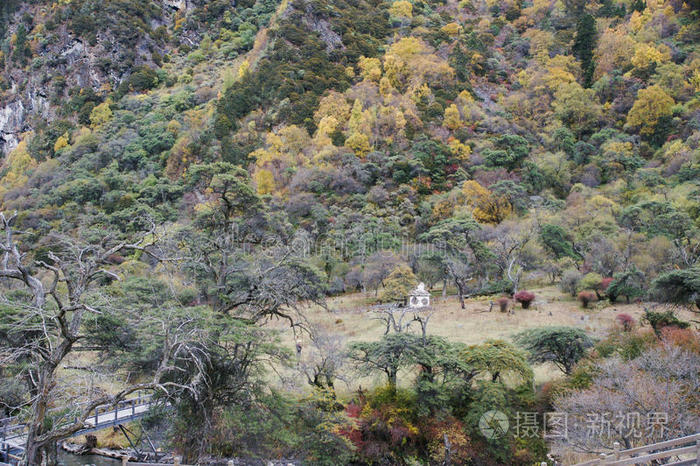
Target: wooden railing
x: 13, y: 433
x: 688, y: 447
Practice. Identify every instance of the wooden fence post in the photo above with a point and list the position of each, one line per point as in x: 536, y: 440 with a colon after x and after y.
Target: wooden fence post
x: 125, y: 460
x: 177, y: 461
x: 697, y: 451
x: 616, y: 450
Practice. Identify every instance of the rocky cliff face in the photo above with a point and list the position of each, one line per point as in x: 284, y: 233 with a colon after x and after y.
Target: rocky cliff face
x: 79, y: 46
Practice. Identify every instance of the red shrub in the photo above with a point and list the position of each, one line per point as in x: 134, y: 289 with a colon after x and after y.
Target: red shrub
x: 524, y: 298
x: 686, y: 338
x: 604, y: 283
x: 503, y: 303
x: 352, y: 432
x: 626, y: 320
x: 586, y: 297
x: 434, y: 431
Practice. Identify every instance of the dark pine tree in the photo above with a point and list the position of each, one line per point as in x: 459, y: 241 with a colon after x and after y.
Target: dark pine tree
x: 583, y: 46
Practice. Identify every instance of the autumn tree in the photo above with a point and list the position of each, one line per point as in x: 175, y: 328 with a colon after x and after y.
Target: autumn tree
x: 398, y: 284
x: 452, y: 119
x: 651, y: 113
x: 577, y: 108
x: 488, y: 207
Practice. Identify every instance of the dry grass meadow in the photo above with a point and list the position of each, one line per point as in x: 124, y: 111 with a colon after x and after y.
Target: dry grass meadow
x: 351, y: 317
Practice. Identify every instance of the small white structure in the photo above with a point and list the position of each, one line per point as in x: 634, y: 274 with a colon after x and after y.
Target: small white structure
x: 420, y: 297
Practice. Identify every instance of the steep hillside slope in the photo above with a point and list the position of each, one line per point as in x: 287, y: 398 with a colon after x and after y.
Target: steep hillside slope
x: 59, y: 59
x: 363, y: 122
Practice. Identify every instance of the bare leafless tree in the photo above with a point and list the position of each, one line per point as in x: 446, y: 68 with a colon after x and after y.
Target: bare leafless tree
x: 507, y: 241
x: 323, y: 361
x: 61, y: 288
x: 399, y: 319
x: 461, y: 269
x: 651, y: 398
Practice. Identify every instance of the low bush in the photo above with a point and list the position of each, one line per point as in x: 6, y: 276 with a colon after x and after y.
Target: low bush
x: 626, y: 320
x: 525, y: 298
x: 586, y: 298
x: 659, y: 320
x: 503, y: 304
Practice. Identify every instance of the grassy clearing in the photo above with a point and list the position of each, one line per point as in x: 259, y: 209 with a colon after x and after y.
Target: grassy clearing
x: 349, y: 317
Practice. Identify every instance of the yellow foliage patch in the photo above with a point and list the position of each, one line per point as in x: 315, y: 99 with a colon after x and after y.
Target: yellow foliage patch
x: 17, y: 166
x: 401, y: 9
x: 61, y: 142
x: 652, y: 105
x: 101, y: 114
x: 452, y: 119
x: 487, y: 207
x: 265, y: 181
x: 358, y: 143
x: 451, y: 29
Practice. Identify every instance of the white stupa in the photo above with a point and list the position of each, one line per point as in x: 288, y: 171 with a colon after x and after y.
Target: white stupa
x: 419, y: 297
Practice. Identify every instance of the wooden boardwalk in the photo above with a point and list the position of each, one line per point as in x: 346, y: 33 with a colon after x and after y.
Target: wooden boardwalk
x: 13, y: 435
x: 683, y: 451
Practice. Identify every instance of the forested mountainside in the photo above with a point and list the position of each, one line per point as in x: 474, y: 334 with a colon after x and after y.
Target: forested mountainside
x: 223, y: 161
x: 402, y: 115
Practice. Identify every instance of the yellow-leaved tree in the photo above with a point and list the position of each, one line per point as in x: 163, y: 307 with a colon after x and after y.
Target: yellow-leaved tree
x: 61, y: 142
x: 101, y: 114
x: 333, y: 104
x: 401, y: 9
x: 244, y: 69
x: 410, y: 62
x: 459, y: 149
x: 284, y: 151
x: 398, y: 284
x: 358, y: 143
x: 452, y: 119
x: 326, y: 127
x: 651, y: 111
x: 647, y: 57
x: 16, y: 166
x: 614, y: 50
x: 487, y: 207
x: 370, y: 68
x: 451, y: 29
x: 265, y: 181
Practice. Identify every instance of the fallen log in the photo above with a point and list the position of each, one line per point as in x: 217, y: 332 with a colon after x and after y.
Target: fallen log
x: 77, y: 449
